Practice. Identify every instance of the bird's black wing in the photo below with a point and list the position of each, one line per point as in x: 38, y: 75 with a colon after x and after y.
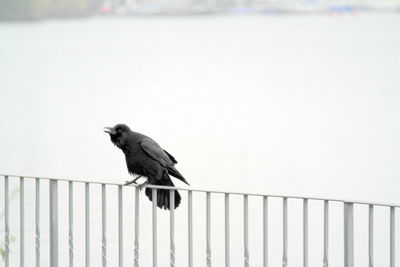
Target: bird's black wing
x: 171, y: 157
x: 154, y: 151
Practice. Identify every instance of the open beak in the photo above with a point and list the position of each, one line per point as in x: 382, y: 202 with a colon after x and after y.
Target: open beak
x: 109, y: 130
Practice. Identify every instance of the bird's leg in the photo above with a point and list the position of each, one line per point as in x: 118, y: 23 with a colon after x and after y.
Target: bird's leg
x: 133, y: 181
x: 142, y: 185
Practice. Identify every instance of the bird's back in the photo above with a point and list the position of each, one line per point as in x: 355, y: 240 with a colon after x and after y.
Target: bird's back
x: 138, y: 161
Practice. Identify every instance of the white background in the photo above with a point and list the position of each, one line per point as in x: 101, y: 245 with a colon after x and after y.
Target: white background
x: 299, y: 105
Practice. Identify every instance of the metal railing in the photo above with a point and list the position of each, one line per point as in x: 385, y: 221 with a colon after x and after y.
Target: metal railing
x: 348, y: 225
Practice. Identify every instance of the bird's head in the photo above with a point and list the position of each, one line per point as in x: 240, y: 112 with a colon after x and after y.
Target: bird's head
x: 118, y: 134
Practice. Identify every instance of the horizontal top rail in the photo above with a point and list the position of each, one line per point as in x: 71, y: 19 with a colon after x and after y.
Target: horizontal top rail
x: 212, y: 191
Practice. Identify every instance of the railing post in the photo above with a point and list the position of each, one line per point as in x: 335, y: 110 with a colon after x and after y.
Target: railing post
x: 6, y: 221
x: 371, y: 236
x: 265, y: 231
x: 172, y: 227
x: 22, y: 222
x: 103, y: 226
x: 227, y: 242
x: 246, y: 230
x: 285, y: 233
x: 37, y: 222
x: 190, y: 229
x: 348, y: 235
x: 87, y: 225
x: 136, y: 255
x: 70, y: 223
x: 305, y: 232
x: 53, y: 223
x: 392, y: 237
x: 326, y: 233
x: 208, y: 229
x: 120, y: 228
x: 154, y: 199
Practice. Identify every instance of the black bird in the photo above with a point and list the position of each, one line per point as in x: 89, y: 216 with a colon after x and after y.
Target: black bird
x: 144, y: 157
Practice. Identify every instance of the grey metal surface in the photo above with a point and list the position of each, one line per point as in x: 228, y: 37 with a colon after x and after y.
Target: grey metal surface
x: 154, y: 197
x: 53, y: 223
x: 305, y: 233
x: 103, y: 226
x: 120, y: 228
x: 265, y: 231
x: 71, y: 223
x: 246, y: 230
x: 22, y: 222
x: 392, y: 237
x: 37, y: 222
x: 87, y: 225
x: 190, y: 229
x: 285, y: 233
x: 371, y: 236
x: 326, y: 233
x: 6, y: 223
x: 348, y: 235
x: 136, y: 245
x: 208, y: 229
x: 172, y: 228
x: 227, y: 232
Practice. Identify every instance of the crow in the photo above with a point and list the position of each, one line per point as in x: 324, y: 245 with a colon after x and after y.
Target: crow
x: 144, y: 157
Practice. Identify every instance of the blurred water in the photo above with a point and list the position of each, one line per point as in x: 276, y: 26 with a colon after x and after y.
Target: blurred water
x: 301, y: 105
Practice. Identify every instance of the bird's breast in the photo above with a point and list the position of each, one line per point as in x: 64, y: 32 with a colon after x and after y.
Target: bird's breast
x: 135, y: 163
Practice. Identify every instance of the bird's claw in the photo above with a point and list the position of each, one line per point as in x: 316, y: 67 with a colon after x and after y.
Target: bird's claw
x: 130, y: 182
x: 141, y: 186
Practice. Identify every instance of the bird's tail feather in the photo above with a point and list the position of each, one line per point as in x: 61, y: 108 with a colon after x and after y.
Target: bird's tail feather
x: 174, y: 172
x: 163, y: 197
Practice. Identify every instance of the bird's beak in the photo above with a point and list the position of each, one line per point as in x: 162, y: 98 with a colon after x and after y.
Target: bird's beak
x: 109, y: 130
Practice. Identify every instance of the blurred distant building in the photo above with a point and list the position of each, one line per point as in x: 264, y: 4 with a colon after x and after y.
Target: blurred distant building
x: 151, y: 7
x: 37, y: 9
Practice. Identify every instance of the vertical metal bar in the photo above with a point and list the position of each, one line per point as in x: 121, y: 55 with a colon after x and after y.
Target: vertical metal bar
x: 392, y: 237
x: 326, y: 233
x: 136, y: 256
x: 246, y: 229
x: 70, y: 223
x: 208, y: 229
x: 265, y: 231
x: 227, y: 244
x: 348, y: 235
x: 103, y: 225
x: 172, y: 227
x: 53, y: 223
x: 371, y: 237
x: 6, y: 223
x: 120, y: 228
x: 190, y: 229
x: 22, y: 221
x: 87, y: 225
x: 154, y: 198
x: 305, y: 233
x: 285, y: 233
x: 37, y: 224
